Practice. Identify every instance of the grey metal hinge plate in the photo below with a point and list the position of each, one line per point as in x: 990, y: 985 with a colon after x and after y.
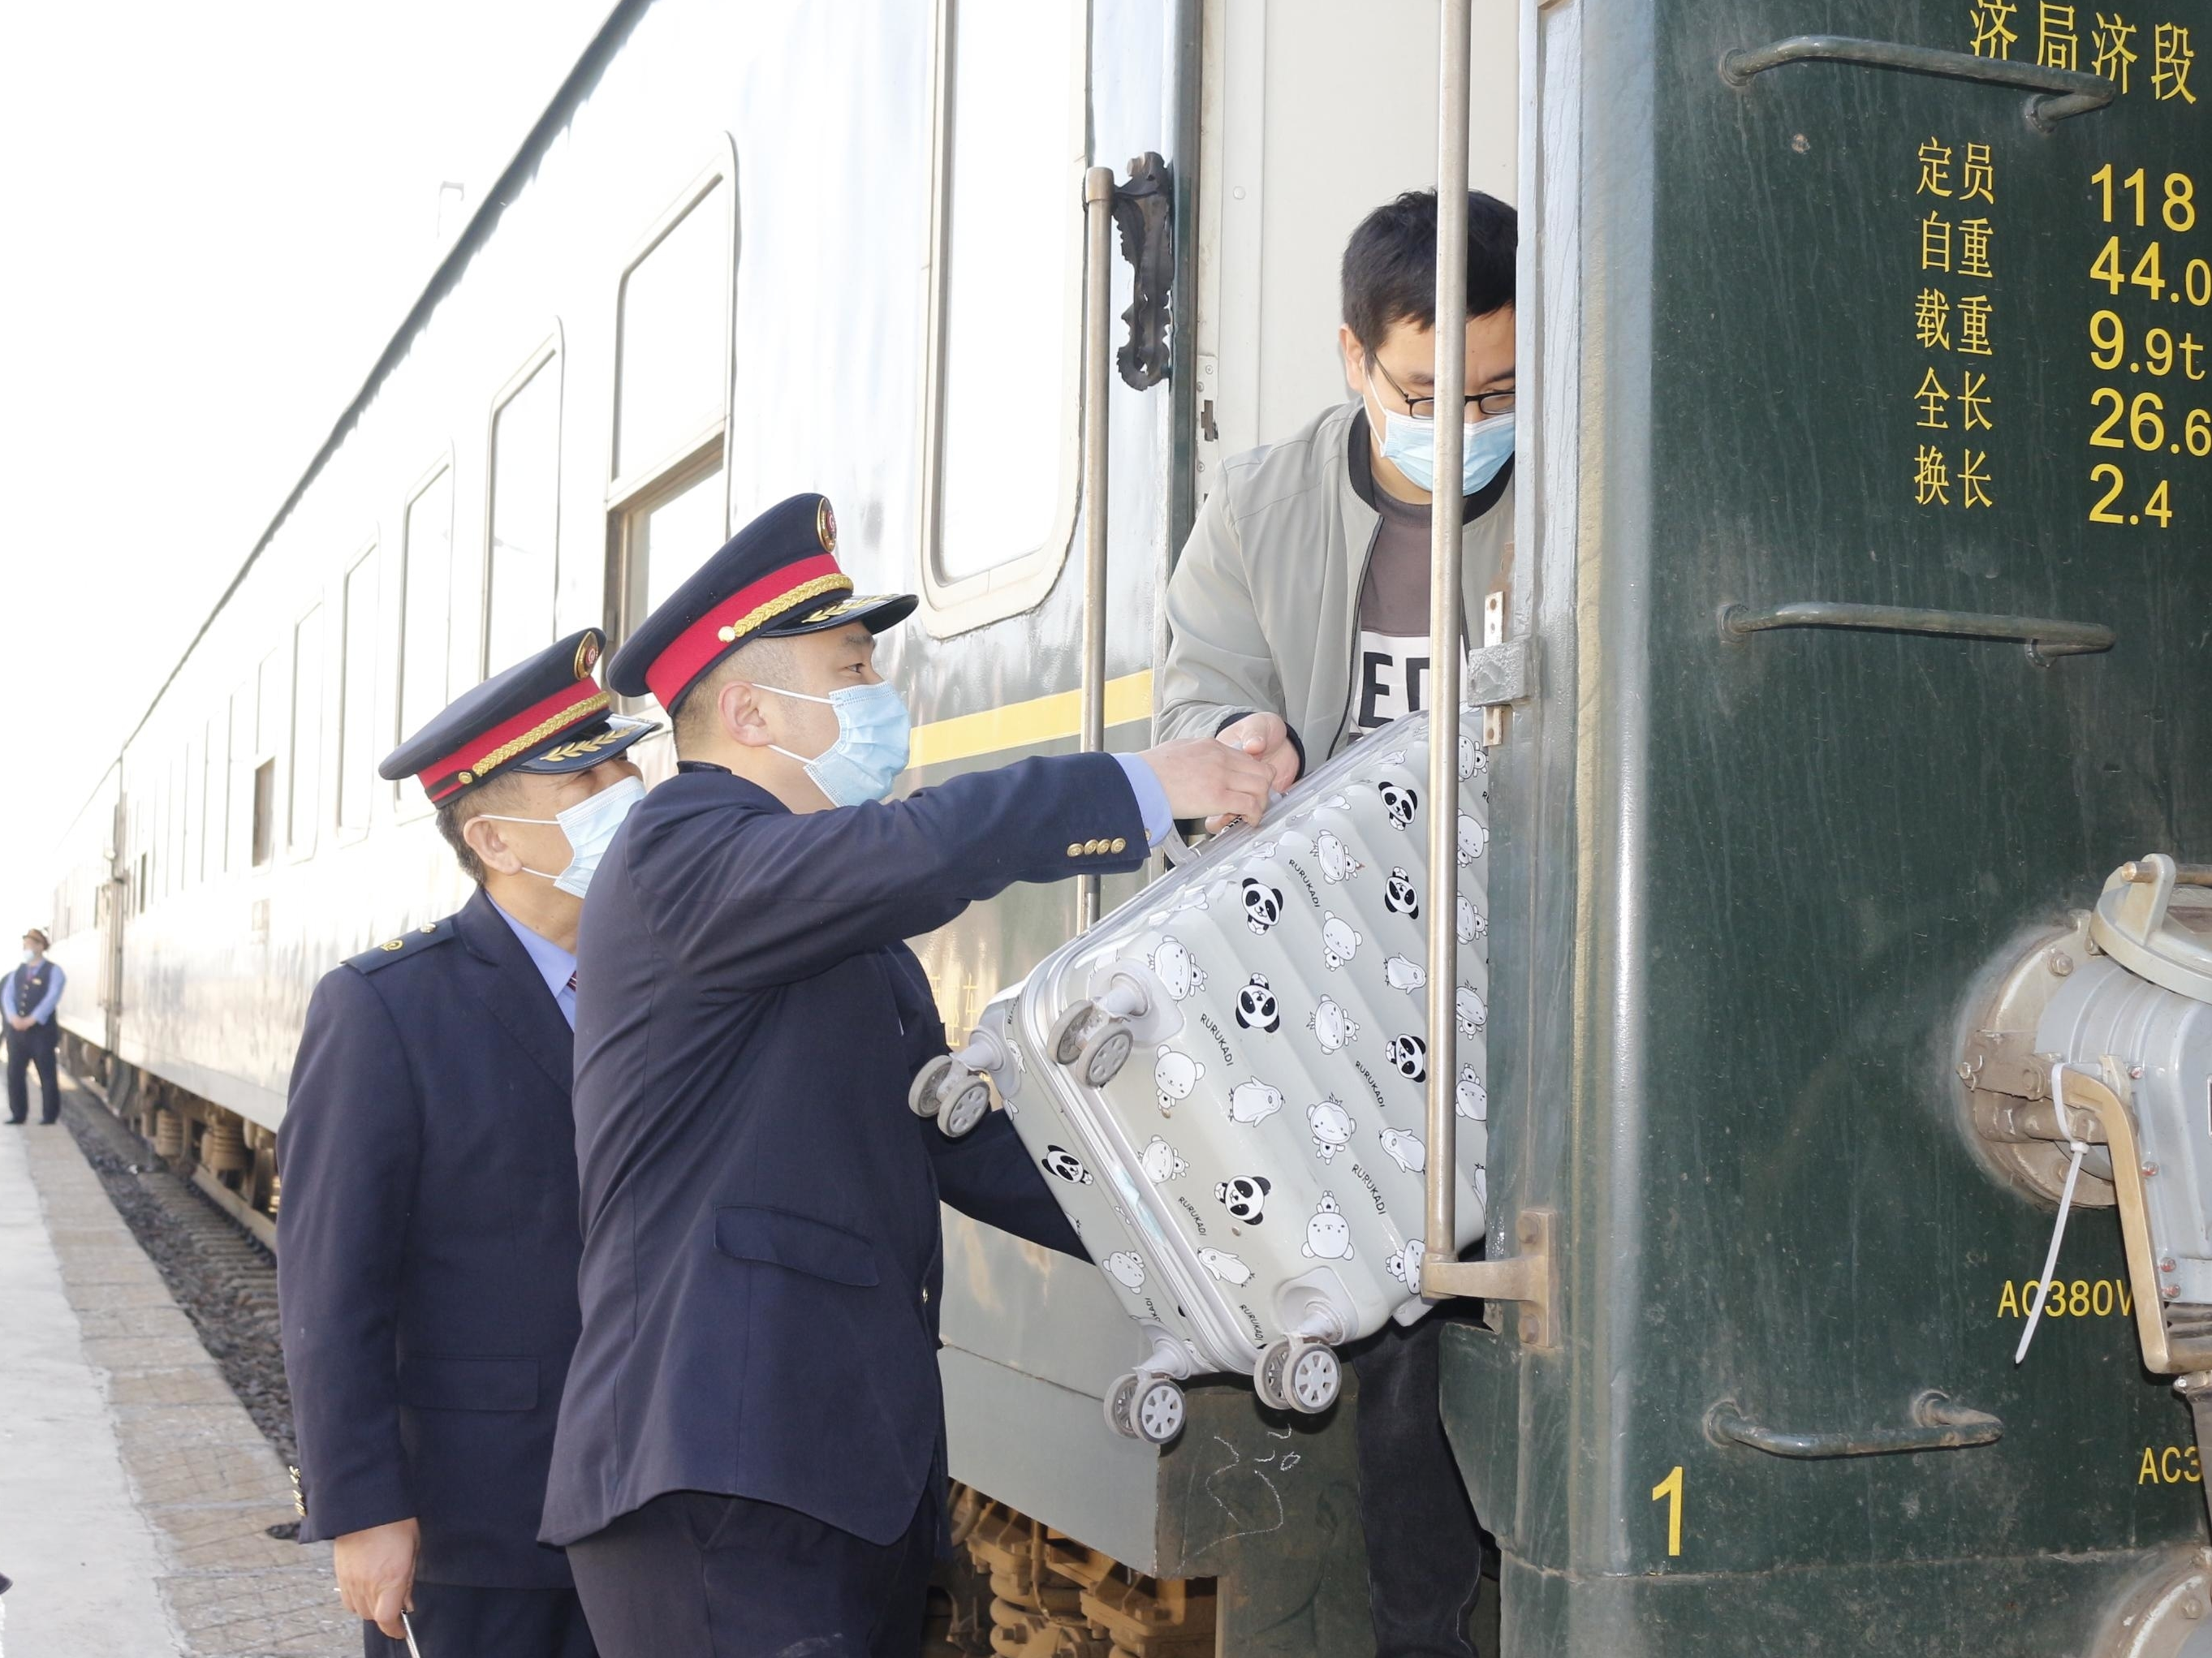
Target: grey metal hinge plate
x: 1502, y: 673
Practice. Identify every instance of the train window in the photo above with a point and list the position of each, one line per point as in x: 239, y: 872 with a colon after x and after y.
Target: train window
x: 239, y: 758
x: 272, y: 696
x: 1003, y: 390
x: 357, y: 719
x: 264, y: 812
x: 672, y: 534
x: 172, y: 821
x: 306, y: 773
x: 194, y: 799
x: 521, y: 576
x: 426, y: 602
x: 212, y: 813
x: 673, y: 322
x: 164, y: 862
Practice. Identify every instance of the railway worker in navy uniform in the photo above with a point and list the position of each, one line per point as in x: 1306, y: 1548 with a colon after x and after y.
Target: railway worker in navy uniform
x: 751, y: 1457
x: 428, y: 1241
x: 28, y: 996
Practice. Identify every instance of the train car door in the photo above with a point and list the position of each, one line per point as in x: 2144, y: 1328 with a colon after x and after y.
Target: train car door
x: 1282, y: 124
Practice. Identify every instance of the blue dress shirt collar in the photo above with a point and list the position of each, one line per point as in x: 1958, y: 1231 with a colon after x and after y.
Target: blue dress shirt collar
x: 557, y: 965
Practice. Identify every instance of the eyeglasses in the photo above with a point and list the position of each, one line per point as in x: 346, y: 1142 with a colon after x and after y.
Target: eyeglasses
x: 1483, y: 404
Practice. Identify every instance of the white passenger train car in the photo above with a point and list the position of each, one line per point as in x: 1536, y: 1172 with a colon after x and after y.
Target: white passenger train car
x: 749, y: 250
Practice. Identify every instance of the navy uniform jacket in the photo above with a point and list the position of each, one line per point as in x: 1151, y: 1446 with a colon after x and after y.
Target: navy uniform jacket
x: 761, y: 1256
x: 427, y: 1247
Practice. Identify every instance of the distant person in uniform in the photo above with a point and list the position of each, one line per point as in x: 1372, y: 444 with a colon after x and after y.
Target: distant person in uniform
x: 1298, y: 619
x: 29, y: 995
x: 427, y: 1241
x: 752, y: 1451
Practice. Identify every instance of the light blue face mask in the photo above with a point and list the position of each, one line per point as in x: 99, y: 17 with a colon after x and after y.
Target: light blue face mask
x: 1410, y: 444
x: 871, y: 751
x: 590, y: 825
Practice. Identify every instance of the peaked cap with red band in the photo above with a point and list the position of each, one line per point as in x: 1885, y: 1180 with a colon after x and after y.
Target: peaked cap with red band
x: 546, y: 714
x: 777, y: 577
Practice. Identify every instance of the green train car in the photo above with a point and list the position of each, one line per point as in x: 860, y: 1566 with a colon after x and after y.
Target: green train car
x: 1866, y: 554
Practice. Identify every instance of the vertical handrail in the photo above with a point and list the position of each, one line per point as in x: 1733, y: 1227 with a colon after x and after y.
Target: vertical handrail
x: 1097, y: 347
x: 1444, y: 678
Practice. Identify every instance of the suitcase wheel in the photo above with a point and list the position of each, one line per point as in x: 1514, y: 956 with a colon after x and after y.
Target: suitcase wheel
x: 969, y: 1107
x: 1091, y: 1042
x: 1104, y: 1055
x: 1119, y: 1398
x: 1075, y: 1027
x: 923, y: 1096
x: 1269, y: 1376
x: 1141, y: 1405
x: 1157, y: 1412
x: 1315, y: 1376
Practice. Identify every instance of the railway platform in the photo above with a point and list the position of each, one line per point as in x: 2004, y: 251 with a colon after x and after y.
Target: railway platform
x: 136, y: 1496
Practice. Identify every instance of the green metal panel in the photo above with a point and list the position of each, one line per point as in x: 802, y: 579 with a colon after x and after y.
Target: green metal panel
x: 1753, y: 879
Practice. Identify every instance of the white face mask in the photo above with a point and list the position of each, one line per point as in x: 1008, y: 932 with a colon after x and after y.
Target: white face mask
x: 590, y: 826
x: 31, y: 956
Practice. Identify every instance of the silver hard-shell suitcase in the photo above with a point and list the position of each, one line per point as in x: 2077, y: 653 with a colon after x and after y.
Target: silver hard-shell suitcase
x: 1226, y: 1080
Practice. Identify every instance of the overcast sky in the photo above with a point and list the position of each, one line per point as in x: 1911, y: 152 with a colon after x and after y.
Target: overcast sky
x: 214, y: 217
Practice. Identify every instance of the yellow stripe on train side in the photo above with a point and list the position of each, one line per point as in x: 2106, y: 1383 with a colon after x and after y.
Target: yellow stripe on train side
x: 1026, y: 725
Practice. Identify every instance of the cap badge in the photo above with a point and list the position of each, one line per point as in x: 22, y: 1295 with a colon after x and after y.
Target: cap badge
x: 825, y: 525
x: 587, y: 654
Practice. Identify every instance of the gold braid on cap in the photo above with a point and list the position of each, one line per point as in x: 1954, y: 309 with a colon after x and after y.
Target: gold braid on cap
x: 539, y: 732
x: 729, y: 632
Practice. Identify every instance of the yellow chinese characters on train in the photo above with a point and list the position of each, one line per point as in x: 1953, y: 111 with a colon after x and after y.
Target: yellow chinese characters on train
x: 1957, y: 244
x: 2114, y: 44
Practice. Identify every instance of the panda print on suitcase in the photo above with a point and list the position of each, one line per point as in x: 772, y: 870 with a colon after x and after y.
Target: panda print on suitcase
x: 1226, y: 1080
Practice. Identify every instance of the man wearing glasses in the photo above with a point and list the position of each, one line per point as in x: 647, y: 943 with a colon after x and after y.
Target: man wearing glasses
x: 1300, y: 608
x: 1299, y: 618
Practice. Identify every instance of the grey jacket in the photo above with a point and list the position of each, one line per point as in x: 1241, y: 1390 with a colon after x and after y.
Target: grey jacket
x: 1263, y: 607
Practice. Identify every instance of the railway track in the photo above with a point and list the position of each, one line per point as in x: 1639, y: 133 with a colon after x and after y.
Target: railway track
x: 224, y: 1279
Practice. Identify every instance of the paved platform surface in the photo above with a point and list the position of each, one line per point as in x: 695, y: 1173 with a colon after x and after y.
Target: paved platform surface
x: 136, y: 1494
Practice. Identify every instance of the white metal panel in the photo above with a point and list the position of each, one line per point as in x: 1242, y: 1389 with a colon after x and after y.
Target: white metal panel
x: 1314, y: 113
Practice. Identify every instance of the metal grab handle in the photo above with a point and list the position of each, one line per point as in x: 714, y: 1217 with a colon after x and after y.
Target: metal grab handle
x: 1098, y: 346
x: 1937, y: 1425
x: 2061, y: 91
x: 2044, y: 637
x: 1441, y: 1195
